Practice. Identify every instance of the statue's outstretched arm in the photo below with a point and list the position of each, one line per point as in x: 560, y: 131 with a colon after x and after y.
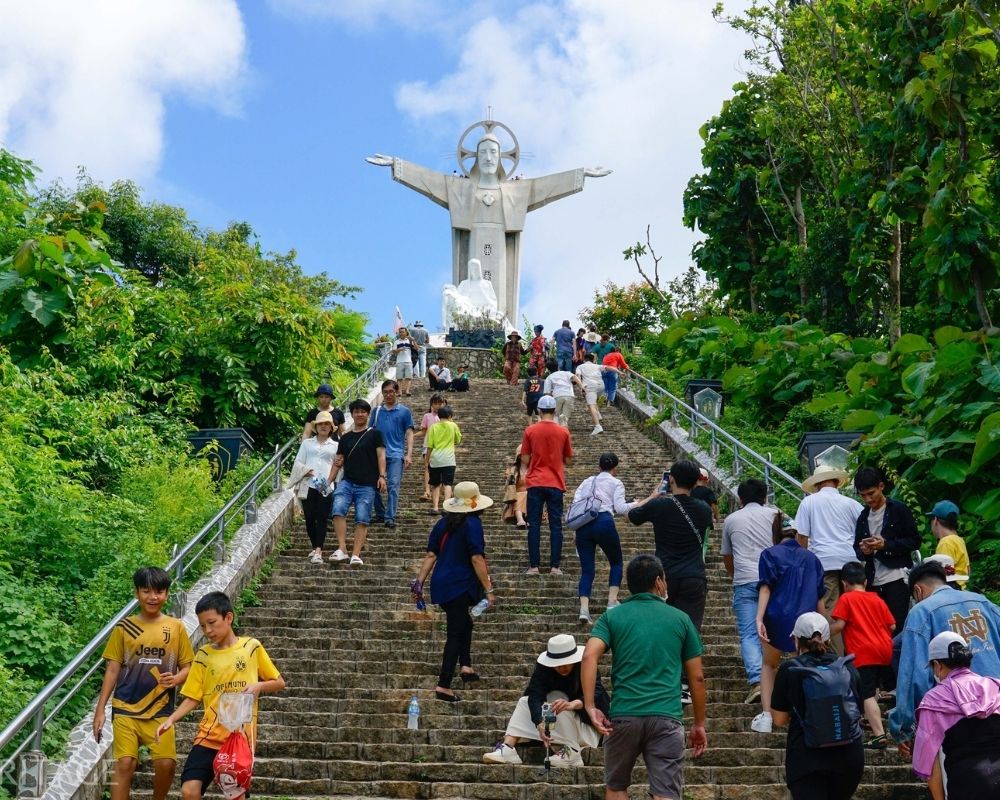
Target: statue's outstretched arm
x: 596, y: 172
x: 428, y: 182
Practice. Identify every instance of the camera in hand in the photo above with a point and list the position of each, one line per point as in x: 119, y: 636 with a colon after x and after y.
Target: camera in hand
x: 548, y: 715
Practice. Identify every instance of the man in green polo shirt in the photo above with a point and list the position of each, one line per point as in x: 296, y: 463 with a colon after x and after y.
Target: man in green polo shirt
x: 650, y: 642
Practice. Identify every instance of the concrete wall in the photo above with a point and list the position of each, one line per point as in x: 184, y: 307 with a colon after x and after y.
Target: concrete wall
x: 482, y: 363
x: 84, y: 773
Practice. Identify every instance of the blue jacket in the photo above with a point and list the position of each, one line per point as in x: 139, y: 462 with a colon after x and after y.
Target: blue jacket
x: 968, y: 614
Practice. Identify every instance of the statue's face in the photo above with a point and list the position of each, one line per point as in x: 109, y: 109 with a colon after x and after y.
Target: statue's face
x: 488, y: 156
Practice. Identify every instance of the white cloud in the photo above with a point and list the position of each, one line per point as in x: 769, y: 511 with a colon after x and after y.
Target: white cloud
x: 365, y: 14
x: 582, y: 83
x: 85, y: 83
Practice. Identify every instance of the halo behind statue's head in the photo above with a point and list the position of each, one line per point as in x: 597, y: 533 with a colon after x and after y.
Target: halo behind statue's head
x: 512, y: 154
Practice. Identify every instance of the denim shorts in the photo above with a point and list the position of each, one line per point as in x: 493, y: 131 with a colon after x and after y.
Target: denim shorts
x: 361, y: 496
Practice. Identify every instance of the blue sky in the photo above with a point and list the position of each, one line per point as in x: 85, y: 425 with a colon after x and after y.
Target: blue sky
x: 264, y: 111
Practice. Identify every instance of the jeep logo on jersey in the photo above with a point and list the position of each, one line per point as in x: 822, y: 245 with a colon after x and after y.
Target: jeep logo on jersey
x: 972, y: 626
x: 145, y: 652
x: 166, y: 635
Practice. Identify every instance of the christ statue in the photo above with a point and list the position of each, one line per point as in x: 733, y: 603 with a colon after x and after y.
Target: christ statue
x: 488, y: 208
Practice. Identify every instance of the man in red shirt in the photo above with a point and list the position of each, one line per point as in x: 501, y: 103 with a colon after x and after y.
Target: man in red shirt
x: 617, y: 360
x: 546, y: 449
x: 867, y: 625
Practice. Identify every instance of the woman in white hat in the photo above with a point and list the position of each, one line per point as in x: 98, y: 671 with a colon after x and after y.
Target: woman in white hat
x: 456, y: 554
x: 556, y: 681
x: 957, y: 746
x: 824, y: 751
x: 310, y: 473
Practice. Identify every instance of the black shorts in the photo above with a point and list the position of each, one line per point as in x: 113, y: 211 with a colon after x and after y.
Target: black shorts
x: 199, y: 766
x: 873, y: 677
x: 532, y: 406
x: 441, y: 476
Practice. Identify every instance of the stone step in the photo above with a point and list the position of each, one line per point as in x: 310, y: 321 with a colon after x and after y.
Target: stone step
x: 354, y: 650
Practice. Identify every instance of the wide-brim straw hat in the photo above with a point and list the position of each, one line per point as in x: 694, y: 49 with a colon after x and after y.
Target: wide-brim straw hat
x: 562, y: 649
x: 825, y: 474
x: 466, y: 499
x: 514, y: 333
x: 324, y: 416
x: 592, y: 336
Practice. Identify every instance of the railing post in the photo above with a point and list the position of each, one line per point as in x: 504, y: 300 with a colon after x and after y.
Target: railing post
x: 250, y: 509
x: 220, y: 541
x: 277, y: 469
x: 737, y: 466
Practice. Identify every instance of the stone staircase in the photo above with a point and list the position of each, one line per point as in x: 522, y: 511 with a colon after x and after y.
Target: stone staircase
x: 353, y: 650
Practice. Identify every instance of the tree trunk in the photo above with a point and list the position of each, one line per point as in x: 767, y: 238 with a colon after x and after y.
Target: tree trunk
x: 984, y: 312
x: 895, y: 291
x: 800, y: 224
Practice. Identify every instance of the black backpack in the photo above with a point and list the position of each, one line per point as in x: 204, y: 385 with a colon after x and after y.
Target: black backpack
x: 832, y: 715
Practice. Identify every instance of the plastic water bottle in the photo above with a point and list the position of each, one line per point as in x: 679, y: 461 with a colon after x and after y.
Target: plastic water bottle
x: 413, y: 714
x: 477, y: 610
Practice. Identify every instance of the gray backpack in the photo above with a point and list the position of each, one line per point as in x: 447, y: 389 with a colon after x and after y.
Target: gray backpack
x: 832, y: 715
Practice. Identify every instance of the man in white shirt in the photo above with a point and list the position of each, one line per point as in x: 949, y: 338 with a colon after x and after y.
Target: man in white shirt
x: 559, y: 384
x: 827, y: 519
x: 592, y: 375
x: 439, y: 376
x: 746, y: 533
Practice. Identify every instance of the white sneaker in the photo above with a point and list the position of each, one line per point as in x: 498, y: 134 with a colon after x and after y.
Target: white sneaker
x: 762, y: 723
x: 613, y: 604
x: 338, y: 555
x: 356, y: 561
x: 567, y: 757
x: 586, y: 618
x: 315, y: 558
x: 502, y: 754
x: 597, y: 429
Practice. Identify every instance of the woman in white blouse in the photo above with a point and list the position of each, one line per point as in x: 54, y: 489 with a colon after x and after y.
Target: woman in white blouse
x: 313, y: 461
x: 609, y: 492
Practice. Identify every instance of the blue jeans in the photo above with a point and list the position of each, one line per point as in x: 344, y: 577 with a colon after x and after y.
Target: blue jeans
x: 421, y: 363
x: 599, y: 533
x: 393, y: 479
x: 745, y: 607
x: 361, y: 496
x: 552, y: 498
x: 565, y: 361
x: 610, y: 385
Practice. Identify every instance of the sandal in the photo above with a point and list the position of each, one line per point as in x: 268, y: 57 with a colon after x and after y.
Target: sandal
x: 878, y: 742
x: 469, y: 677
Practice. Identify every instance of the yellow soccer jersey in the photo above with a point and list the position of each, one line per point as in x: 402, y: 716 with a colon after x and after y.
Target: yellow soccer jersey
x: 145, y: 650
x: 216, y: 672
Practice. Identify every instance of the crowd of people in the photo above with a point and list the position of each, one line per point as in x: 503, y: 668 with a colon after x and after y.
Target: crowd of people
x: 837, y: 614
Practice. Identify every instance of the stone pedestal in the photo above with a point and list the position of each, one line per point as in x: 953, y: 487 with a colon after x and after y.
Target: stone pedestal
x: 482, y: 363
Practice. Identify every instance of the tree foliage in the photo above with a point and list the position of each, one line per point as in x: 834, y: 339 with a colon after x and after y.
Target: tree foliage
x: 123, y: 327
x: 852, y: 178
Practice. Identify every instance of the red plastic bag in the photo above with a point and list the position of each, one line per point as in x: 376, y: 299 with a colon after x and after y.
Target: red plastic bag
x: 234, y: 766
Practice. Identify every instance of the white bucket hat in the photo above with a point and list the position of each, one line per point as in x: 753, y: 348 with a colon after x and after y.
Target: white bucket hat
x: 825, y: 474
x: 562, y: 649
x: 467, y: 499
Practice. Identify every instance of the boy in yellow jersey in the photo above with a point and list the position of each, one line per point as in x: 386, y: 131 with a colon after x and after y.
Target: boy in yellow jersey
x: 944, y: 526
x: 147, y: 655
x: 228, y: 664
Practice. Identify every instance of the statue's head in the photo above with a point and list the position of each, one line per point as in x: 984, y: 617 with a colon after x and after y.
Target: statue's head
x: 488, y: 158
x: 475, y: 269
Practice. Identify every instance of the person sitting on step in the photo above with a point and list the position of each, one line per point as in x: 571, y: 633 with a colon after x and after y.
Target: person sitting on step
x: 439, y: 376
x: 556, y: 681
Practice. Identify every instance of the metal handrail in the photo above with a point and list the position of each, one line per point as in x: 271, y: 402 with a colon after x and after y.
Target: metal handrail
x: 212, y: 534
x: 744, y: 457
